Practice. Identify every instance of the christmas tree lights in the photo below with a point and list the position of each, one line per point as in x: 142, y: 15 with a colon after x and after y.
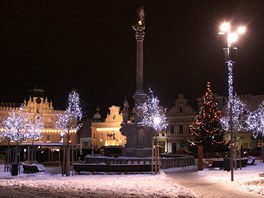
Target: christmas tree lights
x: 206, y: 128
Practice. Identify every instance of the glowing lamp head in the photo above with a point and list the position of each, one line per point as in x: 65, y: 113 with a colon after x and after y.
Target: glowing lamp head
x: 140, y: 22
x: 224, y: 27
x: 241, y: 29
x: 232, y: 37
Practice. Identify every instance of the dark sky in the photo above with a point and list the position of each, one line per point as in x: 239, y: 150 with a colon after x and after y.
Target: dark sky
x: 90, y: 46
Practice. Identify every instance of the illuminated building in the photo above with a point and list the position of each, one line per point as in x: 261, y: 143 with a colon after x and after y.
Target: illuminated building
x: 52, y: 139
x: 107, y: 133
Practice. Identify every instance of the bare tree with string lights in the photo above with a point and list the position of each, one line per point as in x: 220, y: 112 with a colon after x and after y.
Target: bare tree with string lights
x: 239, y: 115
x: 154, y: 116
x: 16, y: 128
x: 69, y: 122
x: 35, y: 132
x: 255, y: 121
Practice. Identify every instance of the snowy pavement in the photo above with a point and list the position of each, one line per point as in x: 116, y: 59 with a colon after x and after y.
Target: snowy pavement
x: 217, y: 183
x: 177, y: 182
x: 42, y: 185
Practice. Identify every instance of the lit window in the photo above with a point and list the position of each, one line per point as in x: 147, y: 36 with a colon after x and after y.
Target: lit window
x: 48, y: 138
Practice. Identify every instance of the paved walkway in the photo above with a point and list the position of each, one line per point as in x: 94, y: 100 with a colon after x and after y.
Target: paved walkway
x: 190, y: 179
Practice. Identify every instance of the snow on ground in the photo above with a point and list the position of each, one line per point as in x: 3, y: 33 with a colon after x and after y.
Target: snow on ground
x: 249, y: 178
x: 48, y: 185
x: 45, y: 184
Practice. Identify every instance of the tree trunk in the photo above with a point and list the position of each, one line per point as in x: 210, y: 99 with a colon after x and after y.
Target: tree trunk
x: 68, y: 167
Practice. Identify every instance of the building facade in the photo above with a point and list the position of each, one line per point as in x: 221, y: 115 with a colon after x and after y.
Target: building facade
x: 107, y: 134
x: 180, y: 116
x: 39, y: 107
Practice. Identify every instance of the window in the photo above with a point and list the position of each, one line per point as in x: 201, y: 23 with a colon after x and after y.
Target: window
x: 61, y: 137
x: 86, y: 144
x: 172, y: 129
x: 189, y: 129
x: 180, y: 109
x: 180, y: 128
x: 48, y: 138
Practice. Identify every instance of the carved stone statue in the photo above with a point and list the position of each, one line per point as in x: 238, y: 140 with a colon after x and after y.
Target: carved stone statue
x: 125, y: 111
x: 141, y: 15
x: 140, y: 26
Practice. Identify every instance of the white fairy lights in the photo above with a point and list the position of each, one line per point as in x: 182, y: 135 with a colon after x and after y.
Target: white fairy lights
x: 239, y: 110
x: 153, y: 114
x: 69, y: 119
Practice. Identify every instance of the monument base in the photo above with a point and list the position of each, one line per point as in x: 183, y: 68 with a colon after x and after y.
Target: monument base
x: 137, y: 152
x: 139, y: 140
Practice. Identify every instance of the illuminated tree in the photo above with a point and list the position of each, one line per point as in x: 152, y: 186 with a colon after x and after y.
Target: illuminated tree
x: 206, y: 128
x: 69, y: 121
x: 154, y: 115
x: 17, y: 126
x: 35, y: 131
x: 240, y: 111
x: 255, y: 121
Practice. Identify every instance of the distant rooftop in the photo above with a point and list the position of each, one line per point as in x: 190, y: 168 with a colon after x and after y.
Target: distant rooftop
x: 37, y: 92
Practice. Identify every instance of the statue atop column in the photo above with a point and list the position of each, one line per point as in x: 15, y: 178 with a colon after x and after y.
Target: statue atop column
x: 138, y: 136
x: 139, y: 96
x: 140, y: 26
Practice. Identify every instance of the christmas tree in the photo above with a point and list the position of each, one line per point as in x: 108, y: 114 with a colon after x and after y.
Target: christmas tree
x: 206, y: 128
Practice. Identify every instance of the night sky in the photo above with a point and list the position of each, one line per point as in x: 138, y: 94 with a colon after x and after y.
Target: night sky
x: 90, y: 46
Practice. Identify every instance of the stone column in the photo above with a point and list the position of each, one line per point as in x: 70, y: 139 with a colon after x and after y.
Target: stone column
x: 139, y: 96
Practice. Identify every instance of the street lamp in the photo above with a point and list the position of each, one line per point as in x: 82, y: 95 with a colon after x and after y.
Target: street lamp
x: 230, y: 58
x: 156, y: 122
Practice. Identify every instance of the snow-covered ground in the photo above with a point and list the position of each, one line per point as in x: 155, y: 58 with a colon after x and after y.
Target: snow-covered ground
x: 249, y: 178
x: 45, y: 184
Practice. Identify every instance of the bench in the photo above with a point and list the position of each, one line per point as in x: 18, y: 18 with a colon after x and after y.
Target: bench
x: 28, y: 168
x: 251, y: 160
x: 117, y: 168
x: 222, y: 163
x: 216, y: 164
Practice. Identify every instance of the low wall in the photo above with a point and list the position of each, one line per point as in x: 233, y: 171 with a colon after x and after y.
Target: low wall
x: 177, y: 162
x: 165, y: 162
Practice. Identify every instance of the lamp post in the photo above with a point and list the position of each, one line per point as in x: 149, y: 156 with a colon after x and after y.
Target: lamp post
x: 157, y: 122
x: 230, y: 58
